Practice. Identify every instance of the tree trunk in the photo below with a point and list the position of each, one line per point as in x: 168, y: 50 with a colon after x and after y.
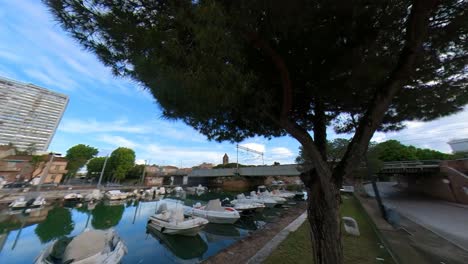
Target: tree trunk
x: 324, y: 221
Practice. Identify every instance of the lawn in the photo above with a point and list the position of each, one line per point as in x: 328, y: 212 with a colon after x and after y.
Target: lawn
x: 296, y: 248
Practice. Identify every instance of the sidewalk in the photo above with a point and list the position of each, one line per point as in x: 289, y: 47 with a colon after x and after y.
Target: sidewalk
x: 412, y: 243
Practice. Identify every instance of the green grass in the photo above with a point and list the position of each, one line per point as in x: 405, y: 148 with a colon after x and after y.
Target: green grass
x: 296, y: 248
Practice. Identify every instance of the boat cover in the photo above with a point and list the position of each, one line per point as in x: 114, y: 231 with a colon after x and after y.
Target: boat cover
x: 214, y: 205
x: 87, y: 244
x: 178, y: 214
x: 240, y: 196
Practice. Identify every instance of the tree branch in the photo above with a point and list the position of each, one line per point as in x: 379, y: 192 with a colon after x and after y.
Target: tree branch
x: 299, y: 133
x: 416, y: 29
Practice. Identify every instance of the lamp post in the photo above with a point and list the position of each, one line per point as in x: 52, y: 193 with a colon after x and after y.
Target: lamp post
x: 142, y: 180
x: 102, y: 172
x: 46, y: 171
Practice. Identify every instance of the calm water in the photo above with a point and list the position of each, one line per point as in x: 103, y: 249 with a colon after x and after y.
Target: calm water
x: 22, y: 237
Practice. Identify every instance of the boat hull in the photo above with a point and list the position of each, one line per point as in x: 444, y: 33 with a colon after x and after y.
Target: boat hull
x: 170, y: 230
x: 217, y: 219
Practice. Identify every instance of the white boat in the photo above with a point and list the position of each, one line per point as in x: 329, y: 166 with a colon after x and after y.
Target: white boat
x: 214, y: 212
x: 178, y: 189
x: 254, y: 198
x: 95, y: 195
x: 116, y: 195
x: 21, y: 203
x: 267, y: 194
x: 91, y: 246
x: 247, y: 206
x: 276, y: 193
x: 73, y: 197
x: 155, y: 191
x: 173, y: 222
x: 200, y: 189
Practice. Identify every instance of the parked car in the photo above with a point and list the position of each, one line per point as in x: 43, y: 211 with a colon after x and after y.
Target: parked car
x: 16, y: 185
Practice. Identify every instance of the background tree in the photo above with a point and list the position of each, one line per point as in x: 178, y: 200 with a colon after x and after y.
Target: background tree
x: 136, y: 171
x: 58, y: 223
x: 393, y: 150
x: 77, y: 156
x: 120, y: 162
x: 105, y: 217
x: 238, y: 69
x: 229, y: 165
x: 94, y: 167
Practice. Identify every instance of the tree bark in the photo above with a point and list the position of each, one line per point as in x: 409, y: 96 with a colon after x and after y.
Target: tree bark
x: 324, y: 220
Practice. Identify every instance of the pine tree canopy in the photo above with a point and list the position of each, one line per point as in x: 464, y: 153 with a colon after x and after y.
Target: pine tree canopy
x: 209, y: 63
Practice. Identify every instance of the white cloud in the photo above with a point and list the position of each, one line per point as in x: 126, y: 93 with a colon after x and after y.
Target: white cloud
x: 140, y: 161
x: 93, y: 126
x: 434, y: 134
x: 178, y: 156
x: 379, y: 137
x: 117, y: 141
x: 281, y: 152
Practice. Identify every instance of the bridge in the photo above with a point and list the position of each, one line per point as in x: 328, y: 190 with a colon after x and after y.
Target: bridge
x: 411, y: 167
x: 445, y: 179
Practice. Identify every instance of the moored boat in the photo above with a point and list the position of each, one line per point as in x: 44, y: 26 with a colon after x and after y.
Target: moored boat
x: 246, y: 206
x: 173, y: 222
x: 91, y: 246
x: 214, y: 212
x: 267, y: 194
x: 95, y: 195
x: 22, y: 203
x: 267, y: 201
x: 73, y: 197
x: 116, y: 195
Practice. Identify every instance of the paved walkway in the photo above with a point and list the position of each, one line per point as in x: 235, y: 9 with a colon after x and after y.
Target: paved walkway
x: 413, y: 243
x: 266, y: 251
x: 448, y: 220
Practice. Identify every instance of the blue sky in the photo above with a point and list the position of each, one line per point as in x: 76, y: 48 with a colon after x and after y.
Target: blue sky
x: 107, y: 112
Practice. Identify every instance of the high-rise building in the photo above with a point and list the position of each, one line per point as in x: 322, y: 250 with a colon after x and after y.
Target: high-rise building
x: 459, y: 145
x: 29, y: 115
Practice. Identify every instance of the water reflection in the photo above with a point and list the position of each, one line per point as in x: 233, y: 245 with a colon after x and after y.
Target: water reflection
x: 23, y: 236
x: 219, y: 232
x: 57, y: 224
x: 107, y: 216
x: 183, y: 247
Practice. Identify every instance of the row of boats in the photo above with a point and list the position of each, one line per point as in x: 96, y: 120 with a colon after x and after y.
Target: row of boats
x: 172, y: 217
x: 22, y: 202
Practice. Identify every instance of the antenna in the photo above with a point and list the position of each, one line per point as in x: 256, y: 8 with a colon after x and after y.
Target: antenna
x: 249, y: 150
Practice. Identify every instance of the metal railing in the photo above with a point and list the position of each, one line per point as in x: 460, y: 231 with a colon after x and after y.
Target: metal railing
x: 411, y: 164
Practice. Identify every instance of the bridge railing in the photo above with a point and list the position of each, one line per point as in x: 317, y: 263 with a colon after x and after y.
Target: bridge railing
x: 411, y: 164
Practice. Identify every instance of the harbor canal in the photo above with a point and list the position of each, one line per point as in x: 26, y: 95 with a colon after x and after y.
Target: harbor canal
x: 23, y: 236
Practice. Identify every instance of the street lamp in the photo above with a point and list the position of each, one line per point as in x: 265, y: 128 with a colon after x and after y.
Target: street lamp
x: 102, y: 171
x: 46, y: 171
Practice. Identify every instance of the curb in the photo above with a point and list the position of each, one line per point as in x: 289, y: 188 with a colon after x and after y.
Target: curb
x: 381, y: 237
x: 269, y: 247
